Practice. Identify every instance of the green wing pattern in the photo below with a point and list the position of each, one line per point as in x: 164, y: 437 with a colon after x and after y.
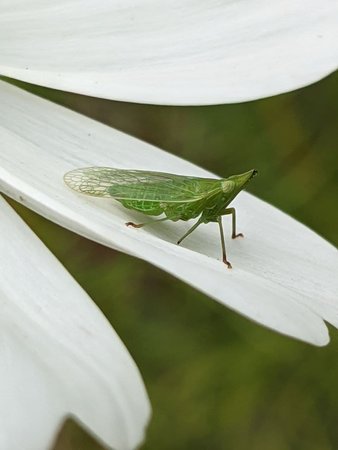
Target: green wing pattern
x: 139, y: 185
x: 149, y: 192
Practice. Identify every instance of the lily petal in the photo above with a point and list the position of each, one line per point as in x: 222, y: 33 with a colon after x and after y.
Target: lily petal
x: 59, y: 355
x: 284, y: 275
x: 177, y: 52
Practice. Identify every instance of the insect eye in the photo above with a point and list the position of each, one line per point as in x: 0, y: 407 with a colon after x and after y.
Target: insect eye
x: 227, y: 186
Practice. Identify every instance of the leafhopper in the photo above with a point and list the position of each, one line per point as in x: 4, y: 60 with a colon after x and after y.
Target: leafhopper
x: 178, y: 197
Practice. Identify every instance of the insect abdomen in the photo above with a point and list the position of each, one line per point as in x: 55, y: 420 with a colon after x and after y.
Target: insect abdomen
x: 182, y: 211
x: 143, y: 206
x: 174, y: 211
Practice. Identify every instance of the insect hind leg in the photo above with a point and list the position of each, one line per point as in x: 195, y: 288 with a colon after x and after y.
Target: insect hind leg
x: 224, y: 256
x: 232, y: 211
x: 135, y: 225
x: 140, y: 225
x: 190, y: 231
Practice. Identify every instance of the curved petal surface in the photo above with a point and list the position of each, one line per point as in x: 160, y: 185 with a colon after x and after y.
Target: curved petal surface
x: 289, y: 293
x: 179, y: 52
x: 59, y: 355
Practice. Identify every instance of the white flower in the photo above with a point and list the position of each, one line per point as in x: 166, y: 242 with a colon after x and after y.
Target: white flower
x: 61, y: 356
x: 274, y: 281
x: 179, y: 52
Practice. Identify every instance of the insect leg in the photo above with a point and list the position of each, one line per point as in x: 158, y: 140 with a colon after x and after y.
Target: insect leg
x: 232, y: 211
x: 140, y: 225
x: 189, y: 231
x: 219, y: 220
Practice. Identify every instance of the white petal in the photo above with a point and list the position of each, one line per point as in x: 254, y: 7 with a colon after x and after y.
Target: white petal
x: 284, y: 275
x: 59, y: 355
x: 177, y: 52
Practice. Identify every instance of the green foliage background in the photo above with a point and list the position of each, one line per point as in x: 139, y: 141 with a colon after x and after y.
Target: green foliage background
x: 216, y: 380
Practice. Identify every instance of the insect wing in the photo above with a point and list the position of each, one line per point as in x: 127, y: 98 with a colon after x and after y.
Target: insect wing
x: 90, y: 180
x: 140, y: 185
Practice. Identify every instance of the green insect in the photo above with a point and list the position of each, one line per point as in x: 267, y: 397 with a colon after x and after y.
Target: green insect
x: 179, y: 197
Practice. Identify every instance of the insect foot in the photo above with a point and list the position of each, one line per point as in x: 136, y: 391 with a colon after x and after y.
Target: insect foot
x: 135, y: 225
x: 234, y: 236
x: 228, y: 263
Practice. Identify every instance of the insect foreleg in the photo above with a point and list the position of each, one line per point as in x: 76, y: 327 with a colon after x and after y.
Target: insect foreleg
x: 190, y: 230
x: 140, y: 225
x: 232, y: 211
x: 219, y: 220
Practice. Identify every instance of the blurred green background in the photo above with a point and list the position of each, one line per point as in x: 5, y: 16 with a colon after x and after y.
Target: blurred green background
x: 216, y: 380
